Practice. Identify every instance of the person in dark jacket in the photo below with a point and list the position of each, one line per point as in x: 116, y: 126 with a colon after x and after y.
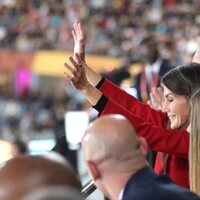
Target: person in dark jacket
x: 116, y: 161
x: 154, y: 67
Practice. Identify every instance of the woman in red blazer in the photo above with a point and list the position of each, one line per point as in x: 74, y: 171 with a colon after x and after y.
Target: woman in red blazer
x: 171, y: 139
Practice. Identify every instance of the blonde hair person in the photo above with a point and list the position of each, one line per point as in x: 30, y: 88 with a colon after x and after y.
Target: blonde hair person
x: 194, y: 150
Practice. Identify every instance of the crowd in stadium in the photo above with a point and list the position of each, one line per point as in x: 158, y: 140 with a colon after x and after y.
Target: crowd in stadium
x: 113, y: 28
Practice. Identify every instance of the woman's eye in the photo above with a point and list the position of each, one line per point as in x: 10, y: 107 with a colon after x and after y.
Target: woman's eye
x: 170, y: 100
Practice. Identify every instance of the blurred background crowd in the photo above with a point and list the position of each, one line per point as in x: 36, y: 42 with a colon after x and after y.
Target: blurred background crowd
x: 113, y: 28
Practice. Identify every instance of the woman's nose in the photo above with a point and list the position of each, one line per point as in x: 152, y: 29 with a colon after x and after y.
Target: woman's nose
x: 165, y: 107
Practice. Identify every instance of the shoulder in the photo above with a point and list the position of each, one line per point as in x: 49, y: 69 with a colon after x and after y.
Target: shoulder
x: 164, y: 187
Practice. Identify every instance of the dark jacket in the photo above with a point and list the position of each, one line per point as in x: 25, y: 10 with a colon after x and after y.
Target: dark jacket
x: 165, y: 67
x: 146, y: 185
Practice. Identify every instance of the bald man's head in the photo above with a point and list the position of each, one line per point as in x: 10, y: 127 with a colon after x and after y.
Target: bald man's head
x: 21, y: 175
x: 112, y: 139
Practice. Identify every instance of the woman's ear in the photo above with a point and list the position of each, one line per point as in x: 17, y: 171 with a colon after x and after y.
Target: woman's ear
x: 143, y: 146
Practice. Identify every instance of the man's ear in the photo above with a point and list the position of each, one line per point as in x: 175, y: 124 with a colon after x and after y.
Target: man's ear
x: 93, y: 169
x: 143, y: 146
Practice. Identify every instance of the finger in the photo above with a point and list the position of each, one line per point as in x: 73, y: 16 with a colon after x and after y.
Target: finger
x: 71, y: 77
x: 75, y: 25
x: 152, y: 96
x: 155, y: 90
x: 77, y: 56
x: 80, y: 30
x: 68, y: 76
x: 160, y: 90
x: 75, y: 22
x: 74, y: 63
x: 157, y: 98
x: 74, y: 78
x: 74, y: 35
x: 157, y: 94
x: 76, y: 30
x: 153, y: 100
x: 149, y: 103
x: 69, y: 68
x: 160, y: 97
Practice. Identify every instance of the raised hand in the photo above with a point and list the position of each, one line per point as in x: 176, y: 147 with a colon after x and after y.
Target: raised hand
x: 79, y: 48
x: 156, y: 98
x: 76, y: 73
x: 79, y: 40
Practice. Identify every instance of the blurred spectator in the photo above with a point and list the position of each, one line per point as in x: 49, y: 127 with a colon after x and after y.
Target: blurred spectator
x: 54, y: 193
x: 26, y: 173
x: 18, y: 147
x: 154, y: 67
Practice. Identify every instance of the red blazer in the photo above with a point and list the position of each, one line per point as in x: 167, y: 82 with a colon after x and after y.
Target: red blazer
x: 152, y: 125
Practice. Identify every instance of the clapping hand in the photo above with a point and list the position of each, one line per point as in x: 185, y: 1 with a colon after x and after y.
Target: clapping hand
x: 156, y: 98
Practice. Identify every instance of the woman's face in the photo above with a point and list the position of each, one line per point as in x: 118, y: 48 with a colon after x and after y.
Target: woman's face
x: 177, y: 108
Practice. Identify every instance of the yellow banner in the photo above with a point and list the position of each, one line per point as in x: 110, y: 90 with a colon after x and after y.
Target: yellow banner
x: 52, y: 63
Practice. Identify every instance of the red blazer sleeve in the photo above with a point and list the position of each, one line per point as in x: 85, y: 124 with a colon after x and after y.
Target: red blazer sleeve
x: 161, y: 139
x: 131, y: 104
